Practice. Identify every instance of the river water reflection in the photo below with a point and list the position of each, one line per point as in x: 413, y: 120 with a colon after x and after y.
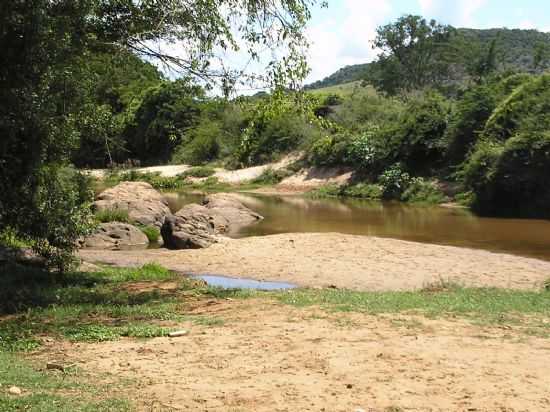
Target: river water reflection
x: 438, y: 225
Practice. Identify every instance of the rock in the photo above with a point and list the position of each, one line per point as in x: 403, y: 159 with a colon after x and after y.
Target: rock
x: 178, y: 333
x: 144, y: 204
x: 236, y: 214
x: 23, y: 256
x: 114, y: 236
x: 14, y: 390
x: 200, y: 226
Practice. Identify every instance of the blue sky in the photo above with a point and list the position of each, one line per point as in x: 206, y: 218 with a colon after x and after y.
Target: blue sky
x: 342, y: 34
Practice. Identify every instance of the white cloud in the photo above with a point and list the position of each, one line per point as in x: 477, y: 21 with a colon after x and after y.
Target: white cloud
x: 336, y: 43
x: 458, y: 13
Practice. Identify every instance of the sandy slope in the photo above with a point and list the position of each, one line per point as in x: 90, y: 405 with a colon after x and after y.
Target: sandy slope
x: 267, y: 357
x: 345, y: 261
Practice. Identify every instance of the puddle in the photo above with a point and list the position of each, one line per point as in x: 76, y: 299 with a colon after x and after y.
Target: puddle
x: 240, y: 283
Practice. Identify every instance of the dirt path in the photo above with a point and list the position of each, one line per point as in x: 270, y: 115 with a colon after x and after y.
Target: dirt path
x: 345, y: 261
x: 268, y: 357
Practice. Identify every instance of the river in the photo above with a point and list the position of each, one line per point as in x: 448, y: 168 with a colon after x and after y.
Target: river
x: 437, y: 225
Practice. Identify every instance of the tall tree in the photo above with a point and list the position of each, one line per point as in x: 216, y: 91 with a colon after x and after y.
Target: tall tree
x: 413, y: 54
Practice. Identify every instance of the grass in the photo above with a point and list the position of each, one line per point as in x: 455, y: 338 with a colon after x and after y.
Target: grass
x: 91, y: 307
x: 152, y: 233
x: 112, y: 215
x: 198, y: 171
x: 46, y: 391
x: 483, y: 306
x: 358, y: 191
x: 116, y: 303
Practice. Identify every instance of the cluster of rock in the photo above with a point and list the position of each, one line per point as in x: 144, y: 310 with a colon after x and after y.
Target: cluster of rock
x: 194, y: 226
x: 199, y: 226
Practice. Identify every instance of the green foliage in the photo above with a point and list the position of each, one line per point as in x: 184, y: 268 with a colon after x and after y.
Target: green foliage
x: 359, y: 191
x: 420, y: 190
x: 413, y: 54
x: 394, y: 181
x: 279, y: 124
x: 199, y: 171
x: 271, y: 176
x: 154, y: 179
x: 331, y: 150
x: 202, y: 145
x: 152, y: 233
x: 48, y: 392
x: 112, y: 215
x: 508, y: 169
x: 160, y: 123
x: 417, y: 139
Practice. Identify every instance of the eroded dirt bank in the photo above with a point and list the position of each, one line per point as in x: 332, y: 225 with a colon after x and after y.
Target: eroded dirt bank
x: 271, y: 357
x: 344, y: 261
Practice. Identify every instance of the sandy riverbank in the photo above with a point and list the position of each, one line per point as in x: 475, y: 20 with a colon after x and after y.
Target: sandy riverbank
x: 344, y: 261
x: 269, y: 357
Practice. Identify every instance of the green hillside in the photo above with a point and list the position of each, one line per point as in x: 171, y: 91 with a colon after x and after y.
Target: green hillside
x: 515, y: 45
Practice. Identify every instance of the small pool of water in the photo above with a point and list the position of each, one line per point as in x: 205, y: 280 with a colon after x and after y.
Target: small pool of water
x: 242, y: 283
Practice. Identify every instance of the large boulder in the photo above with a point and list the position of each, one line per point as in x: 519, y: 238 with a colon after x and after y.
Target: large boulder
x: 115, y: 236
x: 199, y: 226
x: 144, y: 204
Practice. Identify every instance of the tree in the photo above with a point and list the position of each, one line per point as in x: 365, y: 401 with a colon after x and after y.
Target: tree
x: 162, y: 119
x: 413, y: 54
x: 541, y: 56
x: 44, y: 43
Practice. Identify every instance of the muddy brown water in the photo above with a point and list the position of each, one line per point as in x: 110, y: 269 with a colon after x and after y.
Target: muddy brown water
x: 437, y: 225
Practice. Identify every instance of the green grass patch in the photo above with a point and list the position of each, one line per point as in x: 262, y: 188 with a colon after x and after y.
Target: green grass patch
x: 489, y: 306
x: 365, y: 191
x: 198, y: 171
x: 89, y: 307
x: 112, y: 215
x: 46, y: 391
x: 152, y: 233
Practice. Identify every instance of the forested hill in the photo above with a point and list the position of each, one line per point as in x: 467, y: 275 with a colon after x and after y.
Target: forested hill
x: 515, y: 45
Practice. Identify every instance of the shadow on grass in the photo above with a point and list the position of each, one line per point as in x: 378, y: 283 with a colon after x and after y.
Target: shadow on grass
x: 85, y: 306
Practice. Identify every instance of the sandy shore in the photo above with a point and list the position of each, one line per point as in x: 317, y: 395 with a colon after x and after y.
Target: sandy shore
x: 344, y: 261
x: 268, y: 357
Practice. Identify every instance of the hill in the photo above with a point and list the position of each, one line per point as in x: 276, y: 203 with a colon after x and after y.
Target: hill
x: 515, y: 45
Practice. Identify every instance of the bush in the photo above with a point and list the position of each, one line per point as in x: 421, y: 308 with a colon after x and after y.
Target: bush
x: 418, y: 138
x: 394, y: 181
x: 271, y: 176
x: 420, y: 190
x: 198, y: 171
x: 154, y: 179
x: 112, y: 215
x: 331, y: 150
x: 359, y: 191
x: 511, y: 179
x: 152, y: 233
x: 202, y: 147
x: 63, y: 201
x: 363, y: 191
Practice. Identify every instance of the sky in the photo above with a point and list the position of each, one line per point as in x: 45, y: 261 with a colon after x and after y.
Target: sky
x: 342, y: 34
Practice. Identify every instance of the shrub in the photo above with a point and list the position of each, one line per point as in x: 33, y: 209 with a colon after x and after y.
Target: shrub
x: 152, y: 233
x: 154, y: 179
x: 359, y: 191
x: 331, y: 150
x: 202, y: 145
x: 363, y: 191
x: 511, y: 179
x: 271, y: 176
x: 417, y: 140
x: 112, y: 215
x: 63, y: 201
x: 394, y: 182
x: 420, y: 190
x: 198, y: 171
